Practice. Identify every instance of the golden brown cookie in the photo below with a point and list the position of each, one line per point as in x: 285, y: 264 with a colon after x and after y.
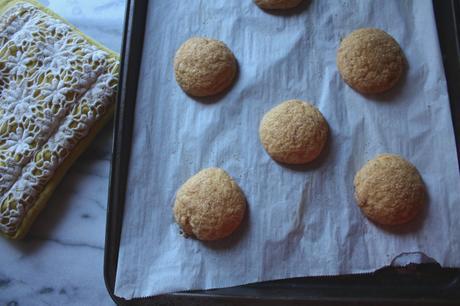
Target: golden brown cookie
x: 389, y: 190
x: 204, y: 67
x: 210, y: 205
x: 370, y: 60
x: 293, y: 132
x: 277, y: 4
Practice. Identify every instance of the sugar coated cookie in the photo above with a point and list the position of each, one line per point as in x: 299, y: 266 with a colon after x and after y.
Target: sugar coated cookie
x: 210, y: 205
x: 370, y: 61
x: 204, y: 67
x: 389, y: 190
x: 293, y: 132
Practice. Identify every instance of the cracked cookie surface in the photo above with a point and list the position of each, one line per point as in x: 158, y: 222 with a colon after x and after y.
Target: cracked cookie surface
x: 294, y: 132
x: 210, y: 205
x: 204, y: 67
x: 389, y: 190
x: 370, y: 61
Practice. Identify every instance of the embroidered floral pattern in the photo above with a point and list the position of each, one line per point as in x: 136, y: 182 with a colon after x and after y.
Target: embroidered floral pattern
x: 55, y: 91
x: 18, y: 142
x: 18, y: 63
x: 53, y: 86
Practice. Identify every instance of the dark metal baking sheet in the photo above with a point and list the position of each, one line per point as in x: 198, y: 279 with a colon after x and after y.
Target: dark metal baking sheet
x: 427, y: 284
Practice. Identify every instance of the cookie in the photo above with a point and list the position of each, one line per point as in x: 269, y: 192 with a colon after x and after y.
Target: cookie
x: 204, y: 67
x: 277, y: 4
x: 370, y: 61
x: 293, y: 132
x: 210, y: 205
x: 389, y: 190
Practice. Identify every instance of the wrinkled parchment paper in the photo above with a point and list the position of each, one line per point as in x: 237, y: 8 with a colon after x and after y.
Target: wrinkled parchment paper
x: 302, y: 221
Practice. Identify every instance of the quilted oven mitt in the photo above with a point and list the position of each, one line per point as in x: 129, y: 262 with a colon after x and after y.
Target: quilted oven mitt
x: 57, y: 90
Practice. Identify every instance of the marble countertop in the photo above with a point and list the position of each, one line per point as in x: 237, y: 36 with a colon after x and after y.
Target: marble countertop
x: 61, y: 260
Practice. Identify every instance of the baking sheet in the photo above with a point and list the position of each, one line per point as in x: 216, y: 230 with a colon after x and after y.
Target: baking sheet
x: 302, y: 220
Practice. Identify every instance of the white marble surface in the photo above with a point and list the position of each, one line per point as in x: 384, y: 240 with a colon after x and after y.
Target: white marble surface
x: 61, y: 260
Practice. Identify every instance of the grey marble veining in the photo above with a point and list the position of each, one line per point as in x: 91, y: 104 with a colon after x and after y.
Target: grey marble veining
x: 61, y: 260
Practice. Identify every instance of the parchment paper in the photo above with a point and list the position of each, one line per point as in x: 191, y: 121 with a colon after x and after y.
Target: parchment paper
x: 302, y: 221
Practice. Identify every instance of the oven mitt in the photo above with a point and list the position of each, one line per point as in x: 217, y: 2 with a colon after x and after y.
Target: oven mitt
x: 57, y: 90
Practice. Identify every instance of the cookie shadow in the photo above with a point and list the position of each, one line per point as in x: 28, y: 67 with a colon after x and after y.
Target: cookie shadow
x: 314, y: 164
x: 234, y: 238
x: 411, y: 227
x: 216, y: 98
x: 303, y: 6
